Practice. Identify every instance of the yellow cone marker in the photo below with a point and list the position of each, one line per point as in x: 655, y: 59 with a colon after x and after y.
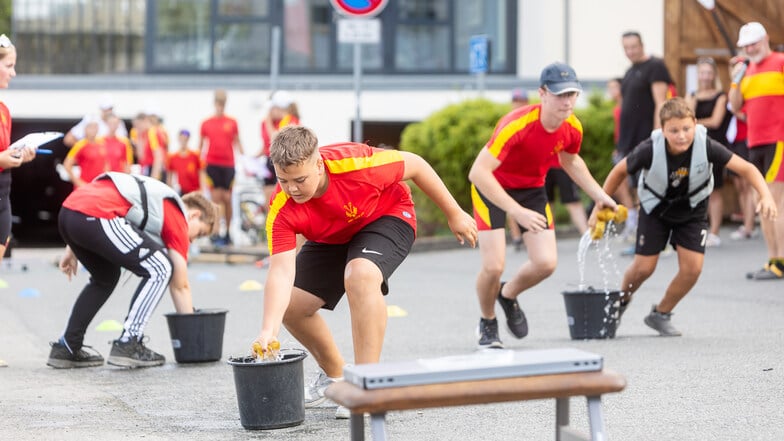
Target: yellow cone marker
x: 251, y: 285
x: 109, y: 326
x: 396, y: 311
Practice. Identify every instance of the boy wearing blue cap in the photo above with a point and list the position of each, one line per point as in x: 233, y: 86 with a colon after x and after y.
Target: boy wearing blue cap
x: 508, y: 177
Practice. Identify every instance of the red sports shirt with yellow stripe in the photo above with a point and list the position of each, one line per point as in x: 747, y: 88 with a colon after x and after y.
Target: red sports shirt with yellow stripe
x: 364, y: 184
x: 526, y: 150
x: 763, y: 94
x: 5, y: 128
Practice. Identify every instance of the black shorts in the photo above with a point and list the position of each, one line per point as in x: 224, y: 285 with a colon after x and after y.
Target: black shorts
x: 488, y: 216
x: 653, y: 234
x: 220, y: 176
x: 272, y: 177
x: 769, y: 161
x: 741, y: 149
x: 567, y: 189
x: 5, y: 207
x: 321, y: 267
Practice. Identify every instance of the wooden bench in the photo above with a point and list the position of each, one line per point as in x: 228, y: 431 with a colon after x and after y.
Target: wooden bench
x: 378, y: 402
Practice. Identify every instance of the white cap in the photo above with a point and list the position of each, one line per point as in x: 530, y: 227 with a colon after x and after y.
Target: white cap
x: 105, y: 102
x: 751, y: 33
x: 281, y: 99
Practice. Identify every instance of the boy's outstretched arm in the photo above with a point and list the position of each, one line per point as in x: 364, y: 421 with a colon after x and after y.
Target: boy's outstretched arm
x: 767, y: 205
x: 461, y: 223
x: 574, y: 165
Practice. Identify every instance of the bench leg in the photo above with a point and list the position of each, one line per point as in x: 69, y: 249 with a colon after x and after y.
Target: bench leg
x: 378, y: 427
x: 595, y: 419
x: 357, y: 424
x: 561, y: 416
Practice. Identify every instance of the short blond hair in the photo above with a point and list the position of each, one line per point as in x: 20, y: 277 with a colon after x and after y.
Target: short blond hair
x: 197, y: 201
x: 220, y: 96
x: 675, y: 108
x: 293, y: 145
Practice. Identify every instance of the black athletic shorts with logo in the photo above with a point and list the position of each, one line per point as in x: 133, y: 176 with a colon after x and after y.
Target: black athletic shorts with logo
x: 320, y: 267
x: 653, y: 233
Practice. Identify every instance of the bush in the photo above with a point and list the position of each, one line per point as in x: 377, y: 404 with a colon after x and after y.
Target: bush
x: 451, y: 138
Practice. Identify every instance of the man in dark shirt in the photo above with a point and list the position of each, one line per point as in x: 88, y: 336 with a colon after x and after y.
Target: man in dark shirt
x: 644, y: 89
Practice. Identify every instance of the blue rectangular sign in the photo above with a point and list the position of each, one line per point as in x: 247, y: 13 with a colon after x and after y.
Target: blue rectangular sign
x: 478, y: 53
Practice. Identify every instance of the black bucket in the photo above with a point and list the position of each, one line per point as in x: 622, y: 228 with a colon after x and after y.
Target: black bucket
x: 270, y: 394
x: 197, y: 337
x: 592, y: 313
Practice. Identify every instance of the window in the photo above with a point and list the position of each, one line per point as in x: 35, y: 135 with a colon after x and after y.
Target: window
x: 228, y: 36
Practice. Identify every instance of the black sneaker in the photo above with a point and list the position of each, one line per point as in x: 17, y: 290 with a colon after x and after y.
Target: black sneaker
x: 488, y: 334
x: 515, y: 317
x: 133, y: 354
x: 61, y: 358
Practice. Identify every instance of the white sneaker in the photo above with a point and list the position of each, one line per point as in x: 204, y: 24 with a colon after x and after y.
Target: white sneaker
x: 712, y: 241
x: 314, y: 393
x: 342, y: 413
x: 741, y: 234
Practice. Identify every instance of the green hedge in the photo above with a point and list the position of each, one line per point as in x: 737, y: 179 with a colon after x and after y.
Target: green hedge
x: 450, y: 139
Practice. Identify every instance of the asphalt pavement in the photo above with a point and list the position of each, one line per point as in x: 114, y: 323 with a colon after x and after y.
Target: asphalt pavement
x: 722, y: 380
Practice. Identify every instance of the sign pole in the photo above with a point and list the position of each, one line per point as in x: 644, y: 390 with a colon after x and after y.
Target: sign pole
x: 359, y: 28
x: 357, y: 91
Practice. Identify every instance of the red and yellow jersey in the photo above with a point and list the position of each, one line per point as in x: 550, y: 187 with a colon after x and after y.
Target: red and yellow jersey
x: 220, y: 132
x: 158, y: 138
x: 526, y: 150
x: 101, y: 199
x: 119, y: 153
x: 91, y: 157
x: 5, y: 128
x: 187, y: 166
x: 763, y: 94
x: 266, y: 138
x: 364, y: 184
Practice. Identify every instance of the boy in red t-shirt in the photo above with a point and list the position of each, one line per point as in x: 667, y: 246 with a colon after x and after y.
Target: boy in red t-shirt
x: 186, y: 165
x: 219, y: 137
x: 508, y: 178
x: 350, y: 203
x: 89, y: 154
x: 139, y: 224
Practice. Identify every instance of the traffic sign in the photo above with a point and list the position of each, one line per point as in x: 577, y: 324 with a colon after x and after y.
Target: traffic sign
x: 359, y: 30
x: 359, y: 8
x: 478, y: 53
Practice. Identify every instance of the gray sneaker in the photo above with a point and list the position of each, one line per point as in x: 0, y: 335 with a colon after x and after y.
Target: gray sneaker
x: 488, y: 334
x: 134, y: 354
x: 660, y: 321
x: 60, y: 357
x: 314, y: 393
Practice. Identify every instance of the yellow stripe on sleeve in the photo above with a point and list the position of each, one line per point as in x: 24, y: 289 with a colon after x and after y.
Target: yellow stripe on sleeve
x: 510, y: 130
x: 346, y: 165
x: 277, y: 204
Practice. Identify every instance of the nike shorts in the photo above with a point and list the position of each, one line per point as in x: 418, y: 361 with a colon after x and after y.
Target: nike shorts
x: 321, y: 267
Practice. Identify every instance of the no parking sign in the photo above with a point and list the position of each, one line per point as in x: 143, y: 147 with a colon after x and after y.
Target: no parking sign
x: 359, y: 8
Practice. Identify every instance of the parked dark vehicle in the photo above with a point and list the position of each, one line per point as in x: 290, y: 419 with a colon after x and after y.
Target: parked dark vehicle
x: 37, y: 192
